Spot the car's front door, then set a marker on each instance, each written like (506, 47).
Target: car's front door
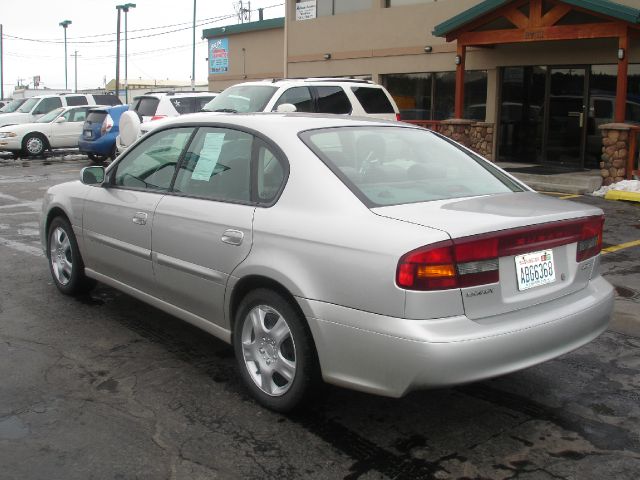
(117, 217)
(203, 229)
(65, 134)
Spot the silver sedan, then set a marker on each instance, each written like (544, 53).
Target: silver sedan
(373, 255)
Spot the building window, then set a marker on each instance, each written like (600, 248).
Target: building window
(431, 96)
(324, 8)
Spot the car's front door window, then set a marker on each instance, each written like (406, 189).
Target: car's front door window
(152, 163)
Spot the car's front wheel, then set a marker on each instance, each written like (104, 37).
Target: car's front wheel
(275, 351)
(65, 262)
(34, 145)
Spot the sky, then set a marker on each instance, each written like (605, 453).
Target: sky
(159, 39)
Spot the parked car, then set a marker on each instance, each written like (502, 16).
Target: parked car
(155, 106)
(376, 255)
(13, 105)
(99, 132)
(35, 107)
(60, 128)
(311, 95)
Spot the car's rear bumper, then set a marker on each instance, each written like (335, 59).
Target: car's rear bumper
(100, 146)
(392, 356)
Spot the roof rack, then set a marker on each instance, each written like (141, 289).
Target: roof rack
(337, 79)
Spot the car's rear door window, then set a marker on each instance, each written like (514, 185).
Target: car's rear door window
(300, 97)
(373, 100)
(152, 163)
(397, 165)
(76, 100)
(332, 100)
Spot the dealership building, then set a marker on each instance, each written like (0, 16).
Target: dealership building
(551, 82)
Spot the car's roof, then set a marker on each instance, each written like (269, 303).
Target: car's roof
(312, 81)
(270, 121)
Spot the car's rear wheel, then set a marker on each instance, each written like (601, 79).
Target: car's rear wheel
(65, 262)
(275, 351)
(34, 145)
(97, 158)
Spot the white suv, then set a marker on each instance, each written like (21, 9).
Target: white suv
(313, 95)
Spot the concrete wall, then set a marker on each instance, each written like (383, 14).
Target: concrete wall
(252, 56)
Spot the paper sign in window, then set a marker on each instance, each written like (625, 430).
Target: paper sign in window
(208, 157)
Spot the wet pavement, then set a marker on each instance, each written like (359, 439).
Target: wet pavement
(106, 387)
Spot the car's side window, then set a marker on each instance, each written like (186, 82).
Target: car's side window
(151, 164)
(78, 115)
(217, 166)
(76, 100)
(47, 104)
(333, 100)
(67, 115)
(298, 96)
(270, 173)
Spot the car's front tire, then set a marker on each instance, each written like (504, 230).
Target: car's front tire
(275, 351)
(65, 261)
(34, 145)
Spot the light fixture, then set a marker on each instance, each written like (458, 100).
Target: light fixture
(621, 54)
(327, 56)
(458, 60)
(428, 49)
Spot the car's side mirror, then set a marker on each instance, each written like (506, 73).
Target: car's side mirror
(92, 175)
(60, 120)
(286, 108)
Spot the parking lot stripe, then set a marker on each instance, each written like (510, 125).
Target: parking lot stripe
(622, 246)
(22, 247)
(565, 197)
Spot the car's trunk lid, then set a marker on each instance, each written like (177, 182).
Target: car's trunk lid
(523, 212)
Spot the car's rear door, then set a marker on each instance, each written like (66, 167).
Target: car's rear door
(117, 217)
(203, 229)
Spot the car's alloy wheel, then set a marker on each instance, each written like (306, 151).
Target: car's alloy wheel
(275, 350)
(65, 262)
(34, 145)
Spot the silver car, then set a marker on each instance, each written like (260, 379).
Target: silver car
(374, 255)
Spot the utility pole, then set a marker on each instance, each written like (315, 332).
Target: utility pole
(75, 54)
(1, 66)
(64, 24)
(118, 7)
(193, 51)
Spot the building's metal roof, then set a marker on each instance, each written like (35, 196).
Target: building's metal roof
(244, 28)
(604, 7)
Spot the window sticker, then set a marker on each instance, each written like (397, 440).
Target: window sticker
(208, 157)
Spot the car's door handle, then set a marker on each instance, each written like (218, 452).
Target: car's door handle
(140, 218)
(232, 237)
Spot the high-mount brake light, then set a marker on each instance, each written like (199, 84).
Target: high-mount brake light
(473, 261)
(158, 117)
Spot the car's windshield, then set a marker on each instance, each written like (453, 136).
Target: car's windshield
(49, 117)
(12, 106)
(28, 105)
(397, 165)
(241, 99)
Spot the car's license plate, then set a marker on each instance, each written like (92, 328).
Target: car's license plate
(88, 134)
(535, 269)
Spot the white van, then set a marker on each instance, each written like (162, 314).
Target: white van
(35, 107)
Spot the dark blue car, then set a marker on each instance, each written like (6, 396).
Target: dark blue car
(98, 139)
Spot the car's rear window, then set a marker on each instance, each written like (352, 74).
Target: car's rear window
(147, 106)
(373, 100)
(396, 165)
(96, 117)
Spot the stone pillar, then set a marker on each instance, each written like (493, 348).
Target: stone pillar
(481, 139)
(457, 129)
(615, 151)
(478, 136)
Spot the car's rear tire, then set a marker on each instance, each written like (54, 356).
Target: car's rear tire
(34, 145)
(275, 351)
(97, 158)
(65, 261)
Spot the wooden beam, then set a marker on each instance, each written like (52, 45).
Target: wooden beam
(516, 17)
(459, 98)
(621, 87)
(558, 32)
(535, 13)
(555, 14)
(479, 22)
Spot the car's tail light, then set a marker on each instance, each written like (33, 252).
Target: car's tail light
(158, 117)
(398, 117)
(472, 261)
(107, 124)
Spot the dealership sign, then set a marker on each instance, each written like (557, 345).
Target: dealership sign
(218, 55)
(306, 10)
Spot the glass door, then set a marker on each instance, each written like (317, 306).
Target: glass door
(566, 117)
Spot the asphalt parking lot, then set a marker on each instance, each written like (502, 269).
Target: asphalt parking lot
(105, 387)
